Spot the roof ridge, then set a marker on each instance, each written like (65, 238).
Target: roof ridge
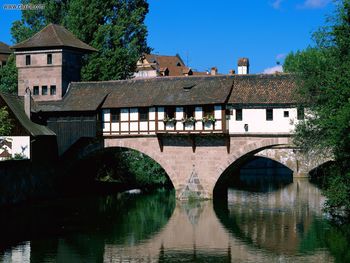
(26, 40)
(55, 32)
(154, 79)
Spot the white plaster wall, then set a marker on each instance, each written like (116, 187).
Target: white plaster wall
(152, 125)
(179, 113)
(161, 125)
(218, 125)
(134, 126)
(257, 123)
(145, 74)
(198, 113)
(115, 126)
(106, 115)
(217, 112)
(124, 115)
(134, 114)
(179, 116)
(160, 113)
(143, 126)
(242, 70)
(124, 126)
(199, 125)
(152, 114)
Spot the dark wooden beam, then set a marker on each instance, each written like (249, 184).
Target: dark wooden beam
(160, 141)
(193, 142)
(228, 143)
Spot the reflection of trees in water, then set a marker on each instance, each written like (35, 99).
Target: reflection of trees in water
(85, 225)
(277, 221)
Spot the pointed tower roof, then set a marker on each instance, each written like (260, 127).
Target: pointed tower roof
(53, 36)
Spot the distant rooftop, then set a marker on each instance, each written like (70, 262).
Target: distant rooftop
(53, 36)
(4, 48)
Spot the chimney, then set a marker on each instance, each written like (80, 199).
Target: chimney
(27, 102)
(232, 72)
(243, 66)
(214, 71)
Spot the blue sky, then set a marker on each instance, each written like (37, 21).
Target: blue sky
(216, 33)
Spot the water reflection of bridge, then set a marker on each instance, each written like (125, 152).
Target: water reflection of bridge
(249, 227)
(270, 228)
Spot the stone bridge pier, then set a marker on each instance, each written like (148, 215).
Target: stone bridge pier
(194, 164)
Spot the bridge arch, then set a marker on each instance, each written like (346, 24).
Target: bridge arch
(85, 148)
(144, 146)
(246, 151)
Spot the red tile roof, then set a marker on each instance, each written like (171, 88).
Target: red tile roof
(264, 89)
(175, 64)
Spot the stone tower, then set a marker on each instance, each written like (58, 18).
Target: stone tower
(48, 61)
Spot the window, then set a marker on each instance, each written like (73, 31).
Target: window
(43, 90)
(53, 90)
(115, 115)
(300, 114)
(28, 60)
(143, 113)
(36, 90)
(208, 110)
(189, 111)
(239, 114)
(49, 59)
(286, 114)
(269, 114)
(170, 112)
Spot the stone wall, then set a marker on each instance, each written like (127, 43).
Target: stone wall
(194, 165)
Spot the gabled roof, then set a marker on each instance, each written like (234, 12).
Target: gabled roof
(53, 36)
(174, 64)
(15, 104)
(88, 96)
(255, 90)
(4, 48)
(264, 89)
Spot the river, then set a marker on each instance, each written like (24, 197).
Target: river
(264, 219)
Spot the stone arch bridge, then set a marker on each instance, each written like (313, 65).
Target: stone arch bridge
(194, 164)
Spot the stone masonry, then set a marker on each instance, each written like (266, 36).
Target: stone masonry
(194, 172)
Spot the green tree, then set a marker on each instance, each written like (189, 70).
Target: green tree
(9, 76)
(115, 27)
(5, 122)
(146, 171)
(323, 76)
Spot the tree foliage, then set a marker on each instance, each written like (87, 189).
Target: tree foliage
(9, 76)
(115, 27)
(147, 172)
(5, 122)
(323, 73)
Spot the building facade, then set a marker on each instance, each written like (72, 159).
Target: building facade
(48, 62)
(176, 103)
